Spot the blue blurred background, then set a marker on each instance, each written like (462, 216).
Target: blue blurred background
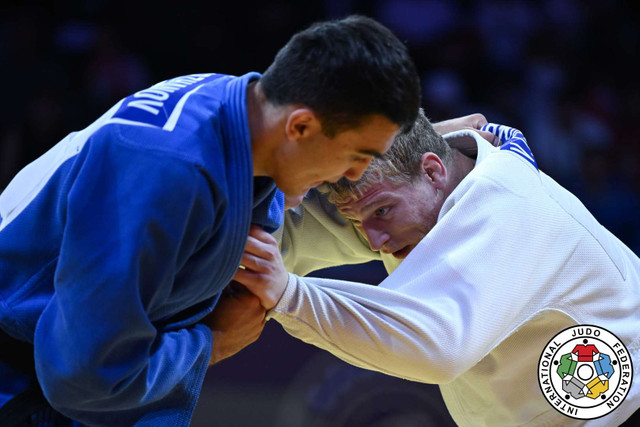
(565, 72)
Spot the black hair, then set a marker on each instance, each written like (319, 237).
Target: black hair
(346, 70)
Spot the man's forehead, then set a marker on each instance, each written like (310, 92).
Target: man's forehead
(377, 134)
(370, 195)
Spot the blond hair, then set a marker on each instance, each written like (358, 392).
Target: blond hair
(400, 165)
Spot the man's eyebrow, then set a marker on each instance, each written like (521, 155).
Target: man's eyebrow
(371, 153)
(376, 200)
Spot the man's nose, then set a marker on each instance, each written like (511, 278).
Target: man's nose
(356, 170)
(376, 238)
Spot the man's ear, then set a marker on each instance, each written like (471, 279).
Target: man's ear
(302, 123)
(433, 170)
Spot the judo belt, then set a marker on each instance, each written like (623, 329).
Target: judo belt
(28, 408)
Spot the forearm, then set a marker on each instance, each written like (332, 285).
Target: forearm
(126, 381)
(370, 327)
(475, 121)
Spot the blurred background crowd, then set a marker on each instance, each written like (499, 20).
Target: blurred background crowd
(563, 71)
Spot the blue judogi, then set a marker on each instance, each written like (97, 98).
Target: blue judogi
(118, 241)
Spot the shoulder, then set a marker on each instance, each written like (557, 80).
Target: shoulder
(500, 190)
(500, 178)
(110, 163)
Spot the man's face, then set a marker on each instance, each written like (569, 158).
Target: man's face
(318, 158)
(395, 218)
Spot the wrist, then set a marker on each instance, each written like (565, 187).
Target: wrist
(285, 295)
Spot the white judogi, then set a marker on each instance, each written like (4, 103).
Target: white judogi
(513, 259)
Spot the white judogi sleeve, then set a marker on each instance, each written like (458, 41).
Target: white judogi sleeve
(316, 236)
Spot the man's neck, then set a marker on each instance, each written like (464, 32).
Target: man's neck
(259, 129)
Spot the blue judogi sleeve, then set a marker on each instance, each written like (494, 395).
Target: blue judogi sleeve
(133, 219)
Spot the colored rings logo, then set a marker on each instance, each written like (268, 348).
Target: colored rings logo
(585, 372)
